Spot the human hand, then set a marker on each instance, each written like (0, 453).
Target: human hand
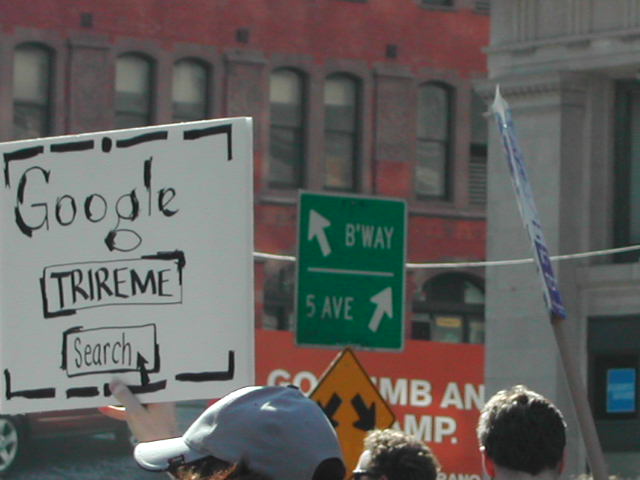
(155, 421)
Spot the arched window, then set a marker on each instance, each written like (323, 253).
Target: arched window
(278, 300)
(133, 91)
(450, 308)
(433, 141)
(478, 152)
(286, 134)
(341, 132)
(189, 90)
(32, 66)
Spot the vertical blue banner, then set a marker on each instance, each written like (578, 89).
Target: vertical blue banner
(527, 207)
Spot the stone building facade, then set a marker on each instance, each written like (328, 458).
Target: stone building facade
(569, 70)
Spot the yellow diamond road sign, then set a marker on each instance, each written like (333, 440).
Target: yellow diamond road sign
(352, 403)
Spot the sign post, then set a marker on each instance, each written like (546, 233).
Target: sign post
(352, 403)
(350, 279)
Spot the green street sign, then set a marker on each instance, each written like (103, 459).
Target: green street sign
(350, 278)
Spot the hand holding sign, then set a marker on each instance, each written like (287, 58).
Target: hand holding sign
(155, 421)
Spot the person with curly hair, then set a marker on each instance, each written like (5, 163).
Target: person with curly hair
(394, 455)
(522, 435)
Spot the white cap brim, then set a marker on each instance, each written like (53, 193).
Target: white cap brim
(158, 456)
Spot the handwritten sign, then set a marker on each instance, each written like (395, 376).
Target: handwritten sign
(126, 253)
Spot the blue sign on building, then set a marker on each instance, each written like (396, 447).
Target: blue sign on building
(621, 390)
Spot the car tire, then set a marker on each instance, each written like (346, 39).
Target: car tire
(12, 443)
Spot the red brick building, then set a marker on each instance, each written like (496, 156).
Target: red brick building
(363, 96)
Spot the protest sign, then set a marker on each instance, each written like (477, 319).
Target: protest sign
(527, 207)
(126, 253)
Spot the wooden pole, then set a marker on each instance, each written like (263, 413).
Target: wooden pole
(580, 402)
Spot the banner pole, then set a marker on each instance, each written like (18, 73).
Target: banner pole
(581, 405)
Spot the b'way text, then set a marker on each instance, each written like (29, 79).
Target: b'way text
(368, 236)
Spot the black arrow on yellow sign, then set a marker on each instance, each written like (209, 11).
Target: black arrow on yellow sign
(364, 408)
(366, 415)
(331, 408)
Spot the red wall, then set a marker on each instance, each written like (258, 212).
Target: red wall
(435, 43)
(443, 39)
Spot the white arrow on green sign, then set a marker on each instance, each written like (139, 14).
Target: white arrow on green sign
(317, 224)
(350, 279)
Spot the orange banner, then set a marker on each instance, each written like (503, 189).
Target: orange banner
(435, 389)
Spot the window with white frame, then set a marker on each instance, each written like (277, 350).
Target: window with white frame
(133, 91)
(189, 90)
(341, 132)
(287, 129)
(478, 152)
(32, 66)
(433, 141)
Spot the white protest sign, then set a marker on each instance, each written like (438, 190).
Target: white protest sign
(527, 206)
(127, 254)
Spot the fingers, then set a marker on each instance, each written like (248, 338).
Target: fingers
(165, 419)
(128, 400)
(156, 421)
(112, 411)
(136, 415)
(122, 393)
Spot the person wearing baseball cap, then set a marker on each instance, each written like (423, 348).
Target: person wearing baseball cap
(258, 433)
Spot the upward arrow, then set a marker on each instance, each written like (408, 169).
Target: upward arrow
(384, 304)
(141, 364)
(317, 224)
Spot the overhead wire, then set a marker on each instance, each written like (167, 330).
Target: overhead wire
(476, 264)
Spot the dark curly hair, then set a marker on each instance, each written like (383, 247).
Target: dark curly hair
(400, 456)
(521, 430)
(211, 468)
